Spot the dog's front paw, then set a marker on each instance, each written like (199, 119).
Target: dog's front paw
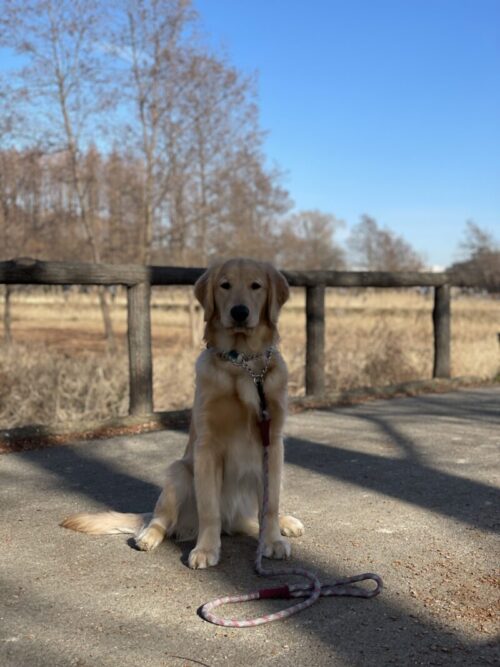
(291, 527)
(279, 549)
(149, 538)
(201, 558)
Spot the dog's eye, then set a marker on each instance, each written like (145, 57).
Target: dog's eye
(255, 285)
(225, 285)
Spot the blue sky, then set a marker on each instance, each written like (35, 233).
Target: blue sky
(385, 107)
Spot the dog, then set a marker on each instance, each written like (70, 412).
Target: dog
(217, 487)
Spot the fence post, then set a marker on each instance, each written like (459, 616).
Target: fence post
(139, 349)
(441, 317)
(7, 315)
(315, 340)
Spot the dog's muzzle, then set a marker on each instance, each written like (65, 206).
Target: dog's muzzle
(240, 314)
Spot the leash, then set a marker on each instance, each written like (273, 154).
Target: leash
(314, 589)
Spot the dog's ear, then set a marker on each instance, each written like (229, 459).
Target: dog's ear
(278, 293)
(204, 292)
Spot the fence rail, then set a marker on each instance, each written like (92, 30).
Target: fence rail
(140, 279)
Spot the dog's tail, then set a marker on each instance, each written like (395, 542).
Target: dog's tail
(106, 523)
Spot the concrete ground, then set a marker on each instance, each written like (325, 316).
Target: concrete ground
(406, 488)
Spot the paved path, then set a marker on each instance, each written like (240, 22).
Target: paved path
(406, 488)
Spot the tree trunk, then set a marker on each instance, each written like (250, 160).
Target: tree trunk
(85, 215)
(107, 321)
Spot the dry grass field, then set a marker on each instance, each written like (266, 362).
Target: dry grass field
(57, 368)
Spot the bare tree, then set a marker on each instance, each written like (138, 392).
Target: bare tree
(21, 225)
(186, 178)
(307, 241)
(123, 193)
(62, 80)
(379, 249)
(222, 142)
(194, 119)
(7, 211)
(151, 39)
(9, 176)
(481, 261)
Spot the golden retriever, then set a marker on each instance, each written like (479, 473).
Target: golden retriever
(217, 485)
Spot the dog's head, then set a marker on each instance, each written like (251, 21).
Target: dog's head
(240, 296)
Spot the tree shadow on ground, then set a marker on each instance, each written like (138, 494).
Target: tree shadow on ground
(406, 479)
(363, 632)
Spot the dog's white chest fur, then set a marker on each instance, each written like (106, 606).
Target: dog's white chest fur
(246, 391)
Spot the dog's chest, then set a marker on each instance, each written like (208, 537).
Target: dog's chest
(229, 405)
(244, 454)
(246, 391)
(242, 458)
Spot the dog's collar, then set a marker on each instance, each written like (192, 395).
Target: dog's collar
(240, 358)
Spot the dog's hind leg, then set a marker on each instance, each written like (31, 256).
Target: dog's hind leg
(289, 526)
(246, 526)
(174, 510)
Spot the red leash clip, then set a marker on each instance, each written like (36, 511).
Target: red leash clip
(282, 592)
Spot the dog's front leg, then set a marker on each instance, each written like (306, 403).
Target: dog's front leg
(275, 546)
(208, 483)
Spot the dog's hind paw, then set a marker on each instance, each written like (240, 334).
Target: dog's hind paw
(150, 537)
(291, 527)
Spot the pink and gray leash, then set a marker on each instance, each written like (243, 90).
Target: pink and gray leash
(313, 590)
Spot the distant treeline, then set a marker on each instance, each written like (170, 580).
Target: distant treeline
(41, 216)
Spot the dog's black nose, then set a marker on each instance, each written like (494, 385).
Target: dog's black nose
(239, 313)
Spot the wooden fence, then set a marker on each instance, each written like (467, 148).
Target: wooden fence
(139, 279)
